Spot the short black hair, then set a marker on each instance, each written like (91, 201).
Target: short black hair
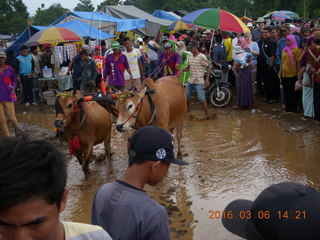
(103, 42)
(30, 169)
(33, 48)
(269, 29)
(83, 53)
(146, 38)
(126, 39)
(136, 161)
(23, 47)
(218, 38)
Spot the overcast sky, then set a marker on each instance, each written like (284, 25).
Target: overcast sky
(70, 4)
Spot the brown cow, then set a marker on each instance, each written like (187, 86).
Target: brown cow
(85, 124)
(170, 103)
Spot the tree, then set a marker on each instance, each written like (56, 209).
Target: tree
(84, 5)
(45, 17)
(108, 3)
(13, 16)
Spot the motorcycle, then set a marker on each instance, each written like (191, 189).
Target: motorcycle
(218, 92)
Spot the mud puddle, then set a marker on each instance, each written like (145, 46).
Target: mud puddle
(235, 155)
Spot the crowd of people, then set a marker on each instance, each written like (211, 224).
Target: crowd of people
(278, 62)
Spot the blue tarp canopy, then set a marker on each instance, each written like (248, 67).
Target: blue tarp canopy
(77, 26)
(84, 30)
(101, 19)
(165, 15)
(15, 46)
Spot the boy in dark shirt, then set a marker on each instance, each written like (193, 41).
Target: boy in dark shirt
(122, 207)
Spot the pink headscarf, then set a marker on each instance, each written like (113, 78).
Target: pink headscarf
(289, 48)
(173, 38)
(243, 44)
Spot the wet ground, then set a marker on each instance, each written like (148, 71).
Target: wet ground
(235, 155)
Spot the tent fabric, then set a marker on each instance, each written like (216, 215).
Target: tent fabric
(93, 18)
(84, 30)
(77, 26)
(181, 13)
(154, 24)
(166, 15)
(15, 46)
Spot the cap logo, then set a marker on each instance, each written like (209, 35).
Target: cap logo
(161, 153)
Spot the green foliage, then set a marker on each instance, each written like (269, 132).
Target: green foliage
(84, 5)
(106, 3)
(13, 16)
(253, 8)
(45, 17)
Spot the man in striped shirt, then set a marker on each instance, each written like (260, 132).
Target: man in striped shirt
(134, 59)
(197, 64)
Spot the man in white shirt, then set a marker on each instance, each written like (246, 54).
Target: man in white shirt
(134, 59)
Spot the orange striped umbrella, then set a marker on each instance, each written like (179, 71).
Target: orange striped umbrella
(54, 35)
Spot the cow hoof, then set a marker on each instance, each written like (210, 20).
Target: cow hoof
(101, 158)
(87, 174)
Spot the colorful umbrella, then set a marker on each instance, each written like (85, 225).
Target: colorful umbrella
(277, 16)
(245, 19)
(289, 13)
(54, 35)
(179, 25)
(216, 18)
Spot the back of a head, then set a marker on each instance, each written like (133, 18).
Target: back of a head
(30, 169)
(218, 38)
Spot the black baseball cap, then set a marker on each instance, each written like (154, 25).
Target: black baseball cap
(154, 144)
(282, 211)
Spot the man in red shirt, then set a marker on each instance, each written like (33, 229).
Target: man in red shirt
(98, 58)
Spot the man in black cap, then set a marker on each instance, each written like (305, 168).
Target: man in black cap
(123, 207)
(283, 211)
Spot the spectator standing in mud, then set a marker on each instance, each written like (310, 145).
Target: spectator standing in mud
(313, 60)
(152, 52)
(24, 70)
(289, 71)
(134, 59)
(197, 64)
(8, 84)
(75, 66)
(116, 64)
(36, 75)
(122, 207)
(30, 208)
(89, 73)
(97, 57)
(266, 67)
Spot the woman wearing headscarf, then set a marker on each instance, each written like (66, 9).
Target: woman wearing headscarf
(305, 79)
(243, 70)
(288, 72)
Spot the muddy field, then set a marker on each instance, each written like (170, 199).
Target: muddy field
(235, 155)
